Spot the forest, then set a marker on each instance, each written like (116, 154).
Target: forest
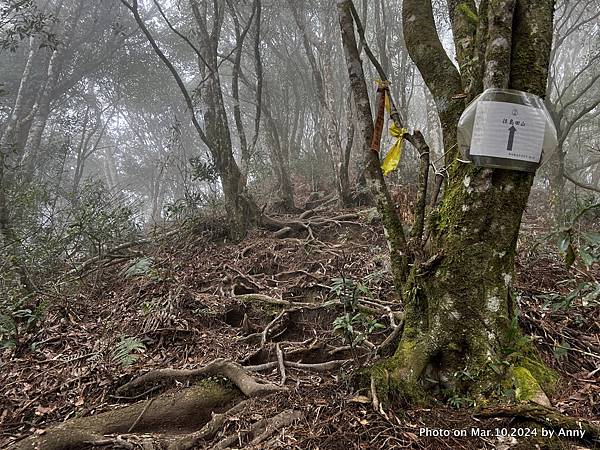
(299, 224)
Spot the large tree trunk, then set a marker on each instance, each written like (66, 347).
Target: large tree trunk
(460, 311)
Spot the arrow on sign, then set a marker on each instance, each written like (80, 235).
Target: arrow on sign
(511, 138)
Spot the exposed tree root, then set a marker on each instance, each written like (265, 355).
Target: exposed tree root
(388, 346)
(284, 228)
(261, 298)
(263, 429)
(548, 417)
(315, 203)
(365, 306)
(208, 431)
(247, 384)
(270, 329)
(317, 367)
(377, 406)
(177, 411)
(281, 363)
(172, 412)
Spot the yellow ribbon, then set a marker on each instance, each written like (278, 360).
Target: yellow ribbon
(392, 159)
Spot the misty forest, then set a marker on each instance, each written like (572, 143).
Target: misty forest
(299, 224)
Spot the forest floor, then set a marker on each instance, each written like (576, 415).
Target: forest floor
(191, 302)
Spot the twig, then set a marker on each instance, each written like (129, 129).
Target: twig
(265, 333)
(281, 364)
(141, 414)
(374, 398)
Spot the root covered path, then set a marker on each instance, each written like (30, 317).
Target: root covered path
(235, 347)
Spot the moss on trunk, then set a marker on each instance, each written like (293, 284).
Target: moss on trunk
(461, 332)
(172, 413)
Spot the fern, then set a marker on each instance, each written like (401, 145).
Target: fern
(123, 354)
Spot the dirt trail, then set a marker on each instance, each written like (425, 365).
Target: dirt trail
(201, 299)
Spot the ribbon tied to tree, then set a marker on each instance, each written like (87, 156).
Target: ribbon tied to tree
(393, 156)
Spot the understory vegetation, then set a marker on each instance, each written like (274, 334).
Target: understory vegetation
(326, 304)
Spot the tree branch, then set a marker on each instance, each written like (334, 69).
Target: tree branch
(580, 184)
(438, 72)
(188, 99)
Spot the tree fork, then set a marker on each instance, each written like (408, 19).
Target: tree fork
(460, 311)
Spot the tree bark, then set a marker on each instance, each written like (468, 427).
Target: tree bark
(459, 307)
(280, 158)
(375, 181)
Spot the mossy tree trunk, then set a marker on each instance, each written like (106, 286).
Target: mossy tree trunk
(460, 312)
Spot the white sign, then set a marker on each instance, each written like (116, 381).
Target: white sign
(508, 130)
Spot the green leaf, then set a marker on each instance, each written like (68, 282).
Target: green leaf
(564, 240)
(358, 339)
(8, 343)
(7, 324)
(123, 352)
(496, 369)
(593, 296)
(140, 267)
(560, 351)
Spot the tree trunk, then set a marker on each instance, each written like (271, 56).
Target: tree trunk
(344, 167)
(460, 317)
(375, 181)
(557, 187)
(280, 159)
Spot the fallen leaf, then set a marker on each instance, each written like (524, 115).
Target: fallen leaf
(41, 410)
(411, 436)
